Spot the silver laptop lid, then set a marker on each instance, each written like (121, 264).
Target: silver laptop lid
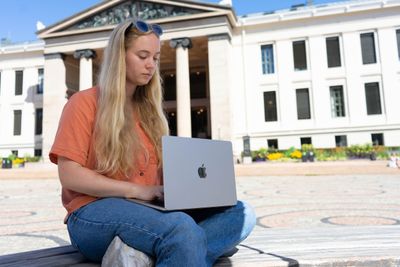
(197, 173)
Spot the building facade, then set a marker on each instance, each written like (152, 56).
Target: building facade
(21, 99)
(328, 75)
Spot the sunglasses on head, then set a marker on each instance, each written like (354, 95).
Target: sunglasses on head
(145, 27)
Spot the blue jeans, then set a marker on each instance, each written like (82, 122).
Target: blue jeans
(174, 238)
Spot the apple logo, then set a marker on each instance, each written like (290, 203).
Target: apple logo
(202, 171)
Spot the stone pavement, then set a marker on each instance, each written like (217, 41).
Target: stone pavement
(319, 197)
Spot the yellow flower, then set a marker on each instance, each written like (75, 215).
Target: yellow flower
(275, 156)
(295, 154)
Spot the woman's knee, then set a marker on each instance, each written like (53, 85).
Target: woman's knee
(186, 229)
(249, 215)
(184, 234)
(92, 242)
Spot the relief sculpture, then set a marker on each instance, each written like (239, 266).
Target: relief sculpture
(133, 9)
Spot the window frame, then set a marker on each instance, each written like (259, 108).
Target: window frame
(40, 85)
(273, 140)
(18, 92)
(274, 118)
(264, 65)
(304, 138)
(333, 104)
(338, 144)
(297, 104)
(38, 122)
(398, 42)
(375, 43)
(369, 111)
(339, 48)
(17, 125)
(306, 55)
(378, 134)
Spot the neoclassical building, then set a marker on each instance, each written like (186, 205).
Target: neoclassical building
(328, 74)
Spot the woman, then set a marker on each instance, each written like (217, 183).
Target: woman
(108, 149)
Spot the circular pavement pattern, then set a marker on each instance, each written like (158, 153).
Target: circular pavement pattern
(360, 220)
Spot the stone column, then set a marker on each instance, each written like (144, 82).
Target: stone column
(53, 98)
(183, 106)
(219, 61)
(85, 67)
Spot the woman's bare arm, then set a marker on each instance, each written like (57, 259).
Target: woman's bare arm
(83, 180)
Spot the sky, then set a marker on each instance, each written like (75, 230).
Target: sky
(19, 17)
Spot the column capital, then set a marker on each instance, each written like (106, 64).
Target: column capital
(184, 42)
(86, 53)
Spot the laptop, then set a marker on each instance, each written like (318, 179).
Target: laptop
(197, 173)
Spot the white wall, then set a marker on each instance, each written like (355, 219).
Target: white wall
(352, 75)
(29, 61)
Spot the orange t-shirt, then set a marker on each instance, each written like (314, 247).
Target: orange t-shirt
(74, 140)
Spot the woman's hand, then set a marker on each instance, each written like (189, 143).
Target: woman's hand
(148, 193)
(83, 180)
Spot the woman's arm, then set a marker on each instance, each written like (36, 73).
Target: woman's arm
(83, 180)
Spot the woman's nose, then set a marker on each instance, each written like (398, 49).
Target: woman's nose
(150, 64)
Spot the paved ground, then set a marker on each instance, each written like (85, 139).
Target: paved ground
(320, 195)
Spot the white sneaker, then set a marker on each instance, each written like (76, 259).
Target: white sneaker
(119, 254)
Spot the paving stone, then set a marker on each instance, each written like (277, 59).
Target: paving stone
(287, 197)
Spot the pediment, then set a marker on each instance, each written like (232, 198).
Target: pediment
(109, 13)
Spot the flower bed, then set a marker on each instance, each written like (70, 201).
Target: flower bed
(309, 153)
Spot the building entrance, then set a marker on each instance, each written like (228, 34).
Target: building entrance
(200, 115)
(200, 122)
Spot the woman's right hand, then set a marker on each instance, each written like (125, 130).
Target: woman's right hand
(83, 180)
(147, 192)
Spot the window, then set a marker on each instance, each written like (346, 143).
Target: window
(19, 75)
(377, 139)
(169, 87)
(368, 48)
(38, 121)
(39, 87)
(272, 144)
(299, 55)
(373, 98)
(398, 42)
(38, 153)
(17, 122)
(267, 56)
(333, 52)
(303, 104)
(198, 87)
(270, 106)
(337, 101)
(341, 140)
(305, 141)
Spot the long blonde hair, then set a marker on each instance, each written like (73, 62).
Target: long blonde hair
(117, 144)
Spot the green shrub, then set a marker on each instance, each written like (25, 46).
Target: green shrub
(288, 152)
(307, 148)
(12, 157)
(32, 159)
(359, 151)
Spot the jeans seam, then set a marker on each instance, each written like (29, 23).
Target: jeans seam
(113, 223)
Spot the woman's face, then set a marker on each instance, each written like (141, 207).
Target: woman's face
(142, 58)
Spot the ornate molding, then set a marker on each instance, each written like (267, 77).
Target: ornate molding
(221, 36)
(181, 42)
(133, 9)
(86, 53)
(54, 56)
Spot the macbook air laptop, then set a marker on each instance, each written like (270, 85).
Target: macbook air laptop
(197, 173)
